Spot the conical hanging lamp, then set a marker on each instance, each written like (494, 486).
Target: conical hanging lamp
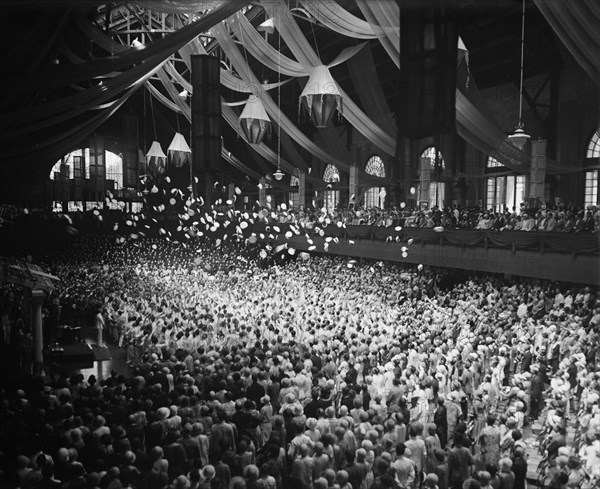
(519, 137)
(254, 121)
(156, 158)
(320, 97)
(267, 26)
(179, 151)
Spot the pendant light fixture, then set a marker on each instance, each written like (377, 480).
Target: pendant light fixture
(278, 174)
(519, 137)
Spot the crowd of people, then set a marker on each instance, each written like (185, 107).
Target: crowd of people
(544, 218)
(312, 372)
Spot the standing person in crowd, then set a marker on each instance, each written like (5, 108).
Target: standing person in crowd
(488, 443)
(460, 463)
(210, 338)
(99, 326)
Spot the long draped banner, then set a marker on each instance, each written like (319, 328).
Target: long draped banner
(577, 24)
(301, 48)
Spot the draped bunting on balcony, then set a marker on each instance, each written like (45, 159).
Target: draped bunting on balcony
(576, 25)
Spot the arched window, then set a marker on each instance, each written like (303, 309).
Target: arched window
(429, 154)
(114, 166)
(430, 169)
(331, 198)
(593, 150)
(504, 192)
(294, 181)
(374, 196)
(493, 163)
(591, 176)
(77, 169)
(331, 174)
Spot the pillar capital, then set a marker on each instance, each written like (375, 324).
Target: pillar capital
(37, 296)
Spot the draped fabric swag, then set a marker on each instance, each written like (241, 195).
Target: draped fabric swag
(123, 73)
(576, 25)
(241, 66)
(302, 50)
(473, 122)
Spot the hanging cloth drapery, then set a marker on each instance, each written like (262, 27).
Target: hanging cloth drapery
(238, 61)
(387, 15)
(330, 14)
(228, 114)
(179, 151)
(301, 48)
(577, 25)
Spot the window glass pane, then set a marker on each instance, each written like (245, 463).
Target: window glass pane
(295, 199)
(591, 188)
(331, 174)
(331, 199)
(430, 153)
(489, 194)
(593, 150)
(493, 162)
(510, 193)
(520, 191)
(375, 166)
(500, 193)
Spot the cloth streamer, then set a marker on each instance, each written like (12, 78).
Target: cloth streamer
(301, 48)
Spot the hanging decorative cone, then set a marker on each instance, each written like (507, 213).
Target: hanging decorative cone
(320, 97)
(254, 121)
(267, 26)
(179, 151)
(156, 158)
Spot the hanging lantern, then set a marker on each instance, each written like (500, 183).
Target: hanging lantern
(156, 159)
(254, 121)
(320, 97)
(519, 137)
(267, 26)
(179, 151)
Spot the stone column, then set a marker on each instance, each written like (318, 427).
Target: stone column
(353, 185)
(37, 299)
(302, 189)
(262, 192)
(537, 176)
(231, 192)
(424, 179)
